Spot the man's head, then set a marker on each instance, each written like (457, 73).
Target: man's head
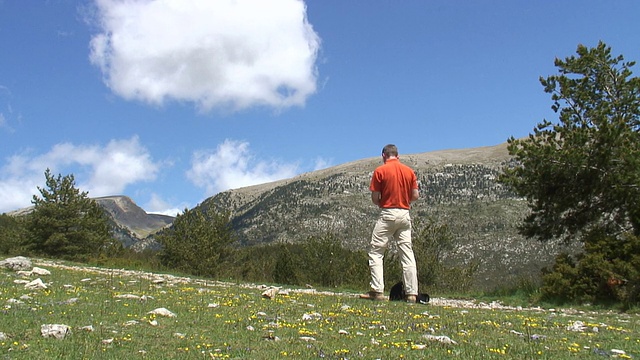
(389, 151)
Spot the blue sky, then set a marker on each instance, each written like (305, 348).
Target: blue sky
(172, 101)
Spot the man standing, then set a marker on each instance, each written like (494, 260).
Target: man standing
(394, 187)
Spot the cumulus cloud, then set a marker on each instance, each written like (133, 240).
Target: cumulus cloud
(225, 53)
(99, 170)
(231, 165)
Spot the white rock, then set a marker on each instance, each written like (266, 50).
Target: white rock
(127, 296)
(162, 312)
(577, 326)
(441, 338)
(57, 331)
(16, 263)
(107, 341)
(35, 284)
(270, 293)
(40, 271)
(307, 338)
(88, 328)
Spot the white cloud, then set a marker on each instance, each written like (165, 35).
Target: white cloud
(157, 205)
(99, 170)
(233, 166)
(225, 53)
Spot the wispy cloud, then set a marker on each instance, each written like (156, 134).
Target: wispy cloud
(100, 170)
(217, 54)
(232, 165)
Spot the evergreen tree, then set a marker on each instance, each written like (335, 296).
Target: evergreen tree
(582, 174)
(198, 242)
(581, 178)
(65, 223)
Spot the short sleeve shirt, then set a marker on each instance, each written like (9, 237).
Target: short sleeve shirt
(395, 182)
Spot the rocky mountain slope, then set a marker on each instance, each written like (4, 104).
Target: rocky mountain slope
(458, 188)
(132, 225)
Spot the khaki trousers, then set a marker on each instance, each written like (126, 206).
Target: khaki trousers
(393, 224)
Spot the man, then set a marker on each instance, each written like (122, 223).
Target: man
(394, 187)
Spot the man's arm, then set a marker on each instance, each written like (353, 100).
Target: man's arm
(375, 197)
(415, 195)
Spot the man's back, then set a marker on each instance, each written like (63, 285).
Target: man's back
(395, 183)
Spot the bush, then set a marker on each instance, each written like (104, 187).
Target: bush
(606, 272)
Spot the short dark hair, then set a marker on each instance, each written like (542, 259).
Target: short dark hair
(390, 150)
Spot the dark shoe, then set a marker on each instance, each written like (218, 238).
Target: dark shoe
(372, 295)
(410, 299)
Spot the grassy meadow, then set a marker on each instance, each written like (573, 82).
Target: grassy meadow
(110, 315)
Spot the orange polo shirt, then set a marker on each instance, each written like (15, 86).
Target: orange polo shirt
(395, 182)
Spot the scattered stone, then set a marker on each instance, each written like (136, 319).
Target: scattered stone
(179, 335)
(3, 336)
(16, 263)
(127, 296)
(69, 302)
(40, 271)
(162, 312)
(577, 326)
(57, 331)
(307, 338)
(441, 338)
(35, 284)
(343, 332)
(88, 328)
(270, 293)
(107, 341)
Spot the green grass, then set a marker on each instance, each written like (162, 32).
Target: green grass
(233, 321)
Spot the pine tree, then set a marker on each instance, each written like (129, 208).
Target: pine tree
(582, 174)
(65, 222)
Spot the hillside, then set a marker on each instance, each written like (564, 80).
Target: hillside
(131, 223)
(458, 188)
